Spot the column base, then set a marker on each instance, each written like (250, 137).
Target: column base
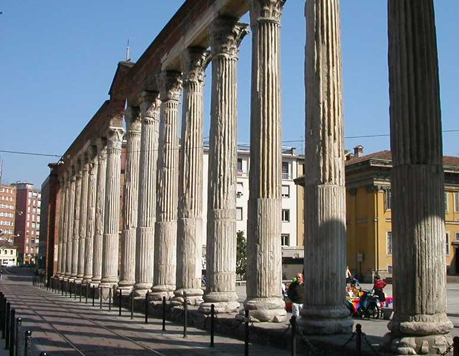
(141, 289)
(193, 296)
(126, 285)
(325, 321)
(224, 302)
(87, 279)
(79, 279)
(158, 292)
(265, 310)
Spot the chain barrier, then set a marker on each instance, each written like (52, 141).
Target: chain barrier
(364, 336)
(448, 350)
(348, 341)
(309, 345)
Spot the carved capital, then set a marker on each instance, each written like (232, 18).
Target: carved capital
(265, 11)
(115, 137)
(171, 85)
(94, 160)
(149, 107)
(225, 36)
(194, 63)
(132, 116)
(101, 148)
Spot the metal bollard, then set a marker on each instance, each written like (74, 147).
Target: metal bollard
(12, 330)
(132, 305)
(212, 324)
(185, 316)
(293, 324)
(358, 339)
(93, 294)
(246, 333)
(62, 287)
(109, 299)
(81, 289)
(28, 343)
(18, 336)
(119, 304)
(4, 317)
(86, 289)
(100, 297)
(7, 322)
(164, 313)
(2, 313)
(43, 353)
(456, 346)
(147, 296)
(74, 290)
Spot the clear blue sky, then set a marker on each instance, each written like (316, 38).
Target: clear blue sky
(58, 59)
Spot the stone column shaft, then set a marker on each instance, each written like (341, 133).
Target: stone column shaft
(166, 211)
(61, 226)
(225, 37)
(112, 208)
(131, 194)
(91, 216)
(324, 311)
(264, 290)
(76, 223)
(189, 226)
(150, 111)
(70, 212)
(100, 211)
(83, 218)
(420, 324)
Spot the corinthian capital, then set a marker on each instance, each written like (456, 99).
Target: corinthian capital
(132, 116)
(101, 144)
(171, 85)
(149, 106)
(194, 63)
(265, 11)
(115, 137)
(225, 36)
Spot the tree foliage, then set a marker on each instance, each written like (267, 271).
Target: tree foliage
(241, 255)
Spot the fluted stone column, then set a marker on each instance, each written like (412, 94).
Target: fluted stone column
(225, 35)
(100, 211)
(131, 193)
(145, 239)
(167, 186)
(76, 222)
(324, 311)
(189, 226)
(83, 217)
(70, 212)
(420, 324)
(60, 244)
(91, 215)
(264, 274)
(112, 208)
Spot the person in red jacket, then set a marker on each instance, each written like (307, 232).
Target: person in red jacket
(378, 288)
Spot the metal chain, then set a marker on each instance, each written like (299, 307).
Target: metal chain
(348, 341)
(369, 344)
(448, 350)
(309, 345)
(286, 330)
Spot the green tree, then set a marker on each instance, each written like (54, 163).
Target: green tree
(241, 255)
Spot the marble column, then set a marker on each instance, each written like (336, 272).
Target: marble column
(131, 194)
(100, 211)
(145, 238)
(110, 247)
(70, 212)
(91, 215)
(167, 186)
(83, 217)
(324, 311)
(225, 36)
(264, 274)
(420, 324)
(60, 243)
(189, 225)
(76, 222)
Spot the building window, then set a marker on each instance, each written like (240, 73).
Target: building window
(389, 242)
(447, 243)
(388, 199)
(456, 202)
(239, 214)
(446, 203)
(285, 191)
(285, 170)
(239, 165)
(239, 189)
(285, 239)
(457, 236)
(285, 215)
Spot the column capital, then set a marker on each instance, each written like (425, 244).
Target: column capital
(115, 137)
(194, 63)
(171, 85)
(149, 106)
(93, 163)
(132, 117)
(101, 144)
(225, 36)
(265, 11)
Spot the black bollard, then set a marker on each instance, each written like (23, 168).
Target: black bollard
(74, 290)
(18, 336)
(164, 313)
(12, 330)
(456, 346)
(3, 322)
(109, 299)
(119, 304)
(212, 324)
(86, 289)
(70, 290)
(147, 296)
(93, 294)
(43, 354)
(62, 287)
(358, 339)
(293, 324)
(7, 323)
(246, 333)
(81, 290)
(185, 316)
(100, 297)
(28, 343)
(132, 305)
(2, 313)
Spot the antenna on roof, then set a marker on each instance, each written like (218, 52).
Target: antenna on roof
(128, 52)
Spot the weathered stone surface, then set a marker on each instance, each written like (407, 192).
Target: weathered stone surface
(149, 111)
(83, 217)
(62, 216)
(70, 212)
(91, 214)
(225, 36)
(112, 208)
(167, 186)
(418, 210)
(264, 277)
(189, 234)
(130, 206)
(324, 311)
(76, 222)
(100, 211)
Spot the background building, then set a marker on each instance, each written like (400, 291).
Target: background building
(7, 213)
(27, 224)
(8, 254)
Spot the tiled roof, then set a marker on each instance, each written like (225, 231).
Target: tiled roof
(386, 155)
